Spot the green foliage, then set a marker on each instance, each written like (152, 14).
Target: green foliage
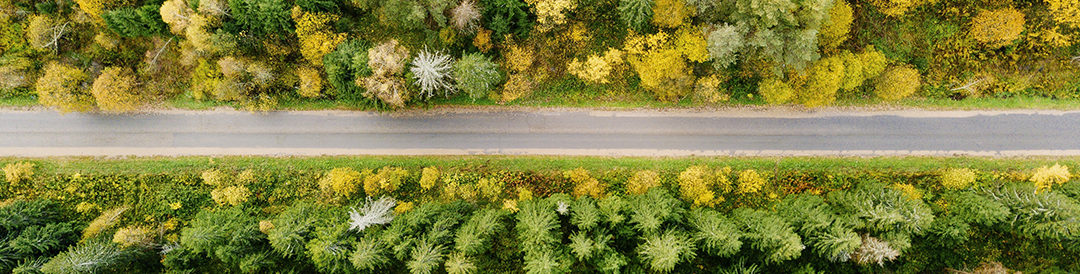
(475, 235)
(781, 31)
(665, 250)
(329, 250)
(135, 22)
(476, 75)
(714, 233)
(369, 255)
(649, 212)
(636, 14)
(232, 237)
(724, 44)
(94, 256)
(293, 228)
(769, 234)
(828, 235)
(260, 18)
(345, 64)
(507, 17)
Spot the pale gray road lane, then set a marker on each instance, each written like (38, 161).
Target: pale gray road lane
(545, 132)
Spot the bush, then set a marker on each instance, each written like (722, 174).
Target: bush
(387, 62)
(895, 8)
(775, 91)
(428, 178)
(957, 178)
(749, 181)
(18, 172)
(1046, 177)
(835, 31)
(699, 184)
(724, 45)
(104, 222)
(1065, 12)
(476, 75)
(997, 28)
(550, 13)
(596, 68)
(230, 195)
(61, 87)
(311, 82)
(824, 80)
(345, 64)
(385, 182)
(642, 182)
(315, 32)
(115, 90)
(584, 184)
(897, 83)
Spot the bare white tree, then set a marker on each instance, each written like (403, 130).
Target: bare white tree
(465, 17)
(432, 72)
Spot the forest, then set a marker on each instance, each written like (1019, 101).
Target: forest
(132, 55)
(528, 215)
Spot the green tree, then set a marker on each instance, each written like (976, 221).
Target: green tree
(784, 32)
(476, 75)
(135, 22)
(345, 64)
(636, 14)
(507, 17)
(260, 18)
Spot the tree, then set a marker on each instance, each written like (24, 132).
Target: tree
(260, 18)
(316, 34)
(345, 64)
(43, 33)
(550, 13)
(61, 87)
(1065, 12)
(897, 83)
(507, 17)
(387, 61)
(674, 12)
(465, 17)
(636, 14)
(177, 14)
(432, 72)
(835, 30)
(114, 90)
(783, 32)
(597, 68)
(311, 82)
(724, 44)
(997, 28)
(132, 22)
(825, 77)
(476, 75)
(775, 91)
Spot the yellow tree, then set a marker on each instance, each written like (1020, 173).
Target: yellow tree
(61, 87)
(316, 36)
(550, 13)
(177, 14)
(114, 90)
(1065, 12)
(997, 28)
(835, 31)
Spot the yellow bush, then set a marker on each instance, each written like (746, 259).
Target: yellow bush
(596, 68)
(403, 207)
(95, 7)
(103, 222)
(584, 184)
(246, 177)
(134, 236)
(708, 90)
(215, 177)
(490, 188)
(61, 87)
(690, 41)
(85, 207)
(340, 182)
(853, 71)
(873, 62)
(670, 13)
(697, 184)
(642, 181)
(897, 83)
(114, 90)
(1046, 177)
(18, 172)
(519, 58)
(230, 195)
(524, 194)
(386, 181)
(997, 28)
(824, 80)
(551, 12)
(428, 178)
(482, 41)
(315, 32)
(835, 31)
(957, 178)
(517, 86)
(660, 65)
(1065, 12)
(909, 191)
(311, 82)
(750, 181)
(775, 91)
(510, 205)
(265, 226)
(896, 8)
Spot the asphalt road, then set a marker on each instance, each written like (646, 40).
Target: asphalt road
(46, 133)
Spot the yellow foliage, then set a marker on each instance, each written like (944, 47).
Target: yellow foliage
(106, 40)
(835, 31)
(896, 8)
(909, 191)
(510, 205)
(177, 14)
(1065, 12)
(311, 82)
(873, 62)
(824, 80)
(386, 181)
(114, 90)
(403, 207)
(197, 33)
(230, 195)
(1050, 38)
(61, 87)
(265, 226)
(482, 41)
(551, 12)
(134, 236)
(519, 58)
(642, 181)
(95, 7)
(316, 34)
(215, 177)
(671, 13)
(584, 184)
(516, 86)
(103, 222)
(524, 194)
(596, 68)
(997, 28)
(750, 181)
(490, 188)
(428, 177)
(897, 83)
(340, 182)
(85, 207)
(660, 64)
(699, 184)
(1046, 177)
(853, 71)
(707, 89)
(957, 178)
(18, 172)
(690, 41)
(776, 91)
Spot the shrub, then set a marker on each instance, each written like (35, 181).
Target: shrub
(115, 91)
(697, 184)
(476, 75)
(215, 178)
(596, 68)
(311, 83)
(775, 91)
(387, 61)
(103, 222)
(428, 178)
(690, 41)
(835, 31)
(674, 13)
(61, 87)
(386, 181)
(665, 250)
(507, 17)
(18, 172)
(1065, 12)
(909, 191)
(997, 28)
(230, 195)
(873, 62)
(749, 181)
(642, 181)
(584, 184)
(636, 14)
(724, 44)
(1046, 177)
(824, 80)
(432, 72)
(348, 62)
(957, 178)
(316, 35)
(897, 83)
(853, 71)
(329, 250)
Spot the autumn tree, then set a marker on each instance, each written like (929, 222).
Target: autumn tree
(316, 34)
(114, 90)
(45, 33)
(1065, 12)
(177, 14)
(62, 87)
(783, 32)
(386, 84)
(476, 75)
(824, 79)
(835, 30)
(661, 62)
(896, 8)
(997, 28)
(673, 13)
(724, 44)
(311, 82)
(550, 13)
(465, 17)
(897, 83)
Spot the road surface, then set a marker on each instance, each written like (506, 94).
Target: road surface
(549, 132)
